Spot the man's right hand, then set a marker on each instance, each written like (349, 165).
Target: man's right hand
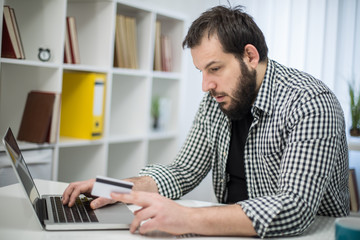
(84, 187)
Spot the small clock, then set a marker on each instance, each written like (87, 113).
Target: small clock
(44, 54)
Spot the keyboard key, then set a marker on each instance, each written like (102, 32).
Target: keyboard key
(90, 211)
(53, 208)
(82, 211)
(68, 214)
(76, 215)
(59, 208)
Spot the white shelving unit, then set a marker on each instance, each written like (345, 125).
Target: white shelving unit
(129, 143)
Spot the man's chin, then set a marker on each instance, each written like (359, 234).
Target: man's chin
(233, 114)
(224, 106)
(225, 109)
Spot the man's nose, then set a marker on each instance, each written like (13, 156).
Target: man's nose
(207, 83)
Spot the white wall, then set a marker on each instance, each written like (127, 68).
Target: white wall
(321, 37)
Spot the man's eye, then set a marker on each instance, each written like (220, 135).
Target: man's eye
(214, 69)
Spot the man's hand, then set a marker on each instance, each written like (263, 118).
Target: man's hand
(76, 188)
(160, 213)
(84, 187)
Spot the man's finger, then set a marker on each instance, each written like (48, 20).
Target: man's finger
(72, 198)
(67, 193)
(142, 199)
(148, 226)
(100, 202)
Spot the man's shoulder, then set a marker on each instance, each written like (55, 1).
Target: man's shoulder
(297, 81)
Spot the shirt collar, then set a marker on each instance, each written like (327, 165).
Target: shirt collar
(264, 98)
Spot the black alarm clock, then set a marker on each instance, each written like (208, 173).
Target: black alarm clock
(44, 54)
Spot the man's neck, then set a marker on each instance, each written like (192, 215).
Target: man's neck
(260, 73)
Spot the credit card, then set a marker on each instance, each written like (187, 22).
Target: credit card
(104, 186)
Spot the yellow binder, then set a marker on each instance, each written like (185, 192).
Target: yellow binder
(82, 107)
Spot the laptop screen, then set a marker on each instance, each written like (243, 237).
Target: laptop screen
(20, 167)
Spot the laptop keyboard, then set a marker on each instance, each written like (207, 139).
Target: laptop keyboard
(80, 212)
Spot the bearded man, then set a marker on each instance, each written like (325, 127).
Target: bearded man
(274, 138)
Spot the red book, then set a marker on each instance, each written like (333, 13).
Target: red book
(10, 47)
(37, 117)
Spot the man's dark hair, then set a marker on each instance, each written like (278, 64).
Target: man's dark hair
(233, 27)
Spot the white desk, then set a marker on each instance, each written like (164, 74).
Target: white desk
(18, 221)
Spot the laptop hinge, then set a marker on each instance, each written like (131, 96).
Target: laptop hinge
(41, 209)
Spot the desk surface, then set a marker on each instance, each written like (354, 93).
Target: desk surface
(18, 221)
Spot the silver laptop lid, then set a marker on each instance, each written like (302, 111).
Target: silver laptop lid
(20, 167)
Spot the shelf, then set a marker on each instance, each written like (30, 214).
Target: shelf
(129, 105)
(26, 62)
(128, 143)
(168, 92)
(30, 146)
(173, 28)
(94, 24)
(114, 139)
(131, 72)
(36, 19)
(16, 82)
(75, 142)
(84, 68)
(81, 163)
(167, 75)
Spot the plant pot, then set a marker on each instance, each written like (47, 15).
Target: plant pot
(355, 132)
(155, 123)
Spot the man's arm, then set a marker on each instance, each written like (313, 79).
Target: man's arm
(143, 183)
(227, 220)
(165, 215)
(194, 160)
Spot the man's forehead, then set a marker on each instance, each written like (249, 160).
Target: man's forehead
(206, 53)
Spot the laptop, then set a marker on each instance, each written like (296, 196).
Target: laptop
(49, 210)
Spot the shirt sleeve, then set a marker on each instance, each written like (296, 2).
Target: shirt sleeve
(315, 144)
(190, 166)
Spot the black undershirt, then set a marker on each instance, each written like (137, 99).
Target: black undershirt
(236, 186)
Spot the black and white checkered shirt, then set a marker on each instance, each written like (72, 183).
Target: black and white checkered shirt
(296, 156)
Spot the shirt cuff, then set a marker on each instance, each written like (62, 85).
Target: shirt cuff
(167, 184)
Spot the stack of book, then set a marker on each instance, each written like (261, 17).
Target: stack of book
(162, 53)
(125, 55)
(41, 116)
(11, 41)
(72, 52)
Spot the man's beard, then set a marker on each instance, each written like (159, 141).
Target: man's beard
(244, 94)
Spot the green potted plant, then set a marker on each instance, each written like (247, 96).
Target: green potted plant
(355, 111)
(155, 111)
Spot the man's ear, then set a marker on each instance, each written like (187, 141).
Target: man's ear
(251, 56)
